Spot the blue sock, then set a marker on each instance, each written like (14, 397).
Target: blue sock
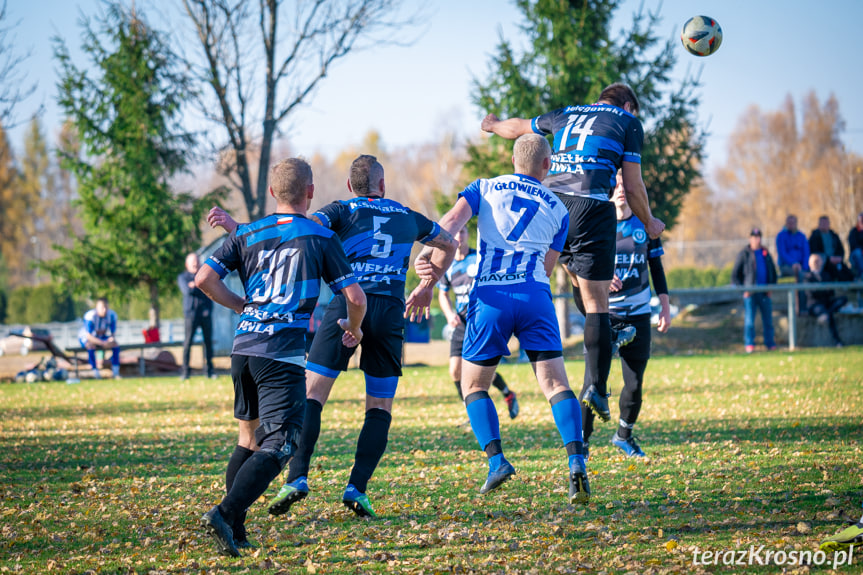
(115, 357)
(483, 418)
(91, 358)
(575, 457)
(567, 416)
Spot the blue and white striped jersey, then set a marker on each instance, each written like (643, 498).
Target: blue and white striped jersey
(634, 250)
(590, 144)
(378, 235)
(101, 327)
(281, 260)
(519, 220)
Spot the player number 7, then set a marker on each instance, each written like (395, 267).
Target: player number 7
(530, 208)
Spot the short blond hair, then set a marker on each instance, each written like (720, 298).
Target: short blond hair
(529, 152)
(290, 179)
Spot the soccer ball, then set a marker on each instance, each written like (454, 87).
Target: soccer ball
(701, 35)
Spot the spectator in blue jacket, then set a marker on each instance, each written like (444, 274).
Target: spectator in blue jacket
(792, 249)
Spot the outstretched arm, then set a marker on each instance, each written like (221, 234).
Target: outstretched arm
(636, 197)
(509, 129)
(440, 252)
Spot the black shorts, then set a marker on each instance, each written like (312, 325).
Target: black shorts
(639, 348)
(269, 390)
(456, 342)
(383, 339)
(591, 242)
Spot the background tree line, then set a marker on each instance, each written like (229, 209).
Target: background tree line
(111, 202)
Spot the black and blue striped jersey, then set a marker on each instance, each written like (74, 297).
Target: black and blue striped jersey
(281, 260)
(590, 144)
(634, 251)
(378, 235)
(459, 278)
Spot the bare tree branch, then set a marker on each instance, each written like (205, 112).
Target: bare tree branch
(260, 71)
(13, 88)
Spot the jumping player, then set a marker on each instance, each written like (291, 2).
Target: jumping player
(629, 306)
(459, 280)
(590, 144)
(281, 260)
(522, 227)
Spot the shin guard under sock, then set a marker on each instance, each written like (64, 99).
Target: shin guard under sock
(370, 447)
(483, 418)
(597, 344)
(299, 465)
(250, 482)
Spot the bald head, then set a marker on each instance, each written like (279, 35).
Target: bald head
(531, 155)
(192, 263)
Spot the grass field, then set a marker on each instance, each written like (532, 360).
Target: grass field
(111, 477)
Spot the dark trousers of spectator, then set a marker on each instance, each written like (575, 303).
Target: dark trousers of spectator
(820, 310)
(193, 322)
(758, 301)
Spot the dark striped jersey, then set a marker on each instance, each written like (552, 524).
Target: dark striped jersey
(590, 144)
(378, 235)
(634, 251)
(281, 260)
(459, 279)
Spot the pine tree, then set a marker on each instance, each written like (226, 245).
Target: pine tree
(126, 110)
(570, 58)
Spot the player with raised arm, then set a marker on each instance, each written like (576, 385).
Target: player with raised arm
(281, 260)
(459, 279)
(378, 235)
(522, 227)
(590, 143)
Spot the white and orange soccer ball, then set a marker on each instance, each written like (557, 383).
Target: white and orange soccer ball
(701, 35)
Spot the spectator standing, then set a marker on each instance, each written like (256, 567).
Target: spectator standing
(99, 332)
(198, 312)
(855, 247)
(754, 267)
(792, 250)
(826, 242)
(823, 304)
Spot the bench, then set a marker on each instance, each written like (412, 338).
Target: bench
(127, 347)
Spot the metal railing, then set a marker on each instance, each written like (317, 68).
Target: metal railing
(789, 288)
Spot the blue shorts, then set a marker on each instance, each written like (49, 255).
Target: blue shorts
(496, 314)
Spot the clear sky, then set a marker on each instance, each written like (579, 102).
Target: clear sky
(414, 94)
